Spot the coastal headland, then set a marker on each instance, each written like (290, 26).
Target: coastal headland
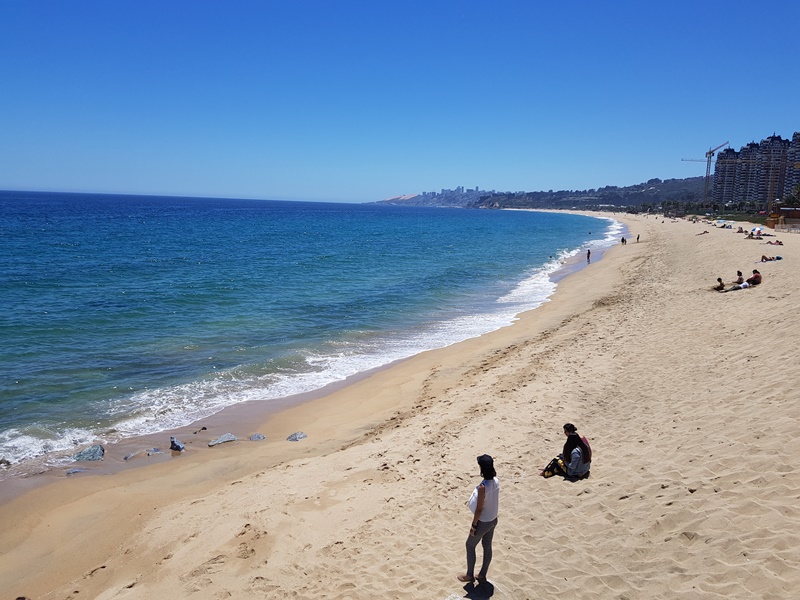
(688, 396)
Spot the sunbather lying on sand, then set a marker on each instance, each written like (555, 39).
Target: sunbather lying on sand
(737, 286)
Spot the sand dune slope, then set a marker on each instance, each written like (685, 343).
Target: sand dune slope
(690, 400)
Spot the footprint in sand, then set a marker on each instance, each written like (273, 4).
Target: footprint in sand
(245, 551)
(211, 566)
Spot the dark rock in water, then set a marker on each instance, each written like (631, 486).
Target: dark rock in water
(176, 445)
(297, 436)
(153, 451)
(73, 471)
(201, 429)
(225, 437)
(95, 452)
(257, 437)
(4, 463)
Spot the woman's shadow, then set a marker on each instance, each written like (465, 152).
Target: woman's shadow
(482, 590)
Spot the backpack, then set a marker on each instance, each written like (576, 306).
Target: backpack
(587, 456)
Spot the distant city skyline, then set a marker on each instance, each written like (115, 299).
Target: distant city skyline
(360, 101)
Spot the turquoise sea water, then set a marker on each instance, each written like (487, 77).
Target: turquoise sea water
(127, 315)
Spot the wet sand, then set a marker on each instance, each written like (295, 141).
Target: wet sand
(687, 395)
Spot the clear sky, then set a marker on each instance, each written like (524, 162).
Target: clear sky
(358, 101)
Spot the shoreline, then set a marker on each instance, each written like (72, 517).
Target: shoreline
(234, 418)
(692, 489)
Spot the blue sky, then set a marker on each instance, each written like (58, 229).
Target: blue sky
(364, 100)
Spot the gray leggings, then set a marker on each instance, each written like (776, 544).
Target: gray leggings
(483, 534)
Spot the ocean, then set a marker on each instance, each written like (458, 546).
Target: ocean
(131, 315)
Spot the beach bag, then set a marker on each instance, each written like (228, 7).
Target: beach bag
(555, 467)
(473, 500)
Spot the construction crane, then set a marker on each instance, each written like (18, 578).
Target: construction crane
(709, 159)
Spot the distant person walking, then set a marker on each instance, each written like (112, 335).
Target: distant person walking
(588, 256)
(637, 238)
(623, 241)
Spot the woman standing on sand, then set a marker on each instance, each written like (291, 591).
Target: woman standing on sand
(484, 503)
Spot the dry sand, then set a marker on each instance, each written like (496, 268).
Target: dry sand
(688, 396)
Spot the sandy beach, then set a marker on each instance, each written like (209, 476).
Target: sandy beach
(688, 396)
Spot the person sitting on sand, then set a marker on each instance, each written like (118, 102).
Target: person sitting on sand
(720, 285)
(576, 451)
(751, 281)
(739, 279)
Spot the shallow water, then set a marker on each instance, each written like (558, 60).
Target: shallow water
(129, 315)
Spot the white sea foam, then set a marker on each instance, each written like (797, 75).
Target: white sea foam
(156, 410)
(58, 446)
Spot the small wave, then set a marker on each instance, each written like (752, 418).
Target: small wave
(21, 445)
(612, 234)
(306, 370)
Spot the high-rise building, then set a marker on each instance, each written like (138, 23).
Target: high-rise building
(725, 175)
(757, 173)
(772, 177)
(746, 187)
(792, 166)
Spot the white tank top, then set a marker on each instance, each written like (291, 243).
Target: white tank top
(491, 499)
